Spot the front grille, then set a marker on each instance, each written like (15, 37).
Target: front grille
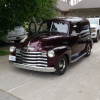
(32, 58)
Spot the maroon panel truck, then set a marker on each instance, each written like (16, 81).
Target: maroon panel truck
(57, 43)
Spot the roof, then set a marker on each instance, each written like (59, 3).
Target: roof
(86, 4)
(71, 19)
(63, 6)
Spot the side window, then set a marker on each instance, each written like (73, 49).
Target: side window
(74, 29)
(59, 27)
(86, 27)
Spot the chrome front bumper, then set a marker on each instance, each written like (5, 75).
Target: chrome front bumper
(34, 68)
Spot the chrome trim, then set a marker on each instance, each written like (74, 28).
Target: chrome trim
(78, 58)
(34, 68)
(28, 55)
(34, 61)
(19, 58)
(33, 55)
(38, 65)
(32, 52)
(33, 58)
(41, 58)
(42, 55)
(41, 65)
(18, 55)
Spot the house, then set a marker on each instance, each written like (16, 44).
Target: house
(85, 8)
(61, 8)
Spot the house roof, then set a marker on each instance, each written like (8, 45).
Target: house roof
(86, 4)
(63, 6)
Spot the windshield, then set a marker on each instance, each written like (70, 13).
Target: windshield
(54, 27)
(93, 21)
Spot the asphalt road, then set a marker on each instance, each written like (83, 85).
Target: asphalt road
(81, 80)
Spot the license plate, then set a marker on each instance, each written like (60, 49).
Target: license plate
(12, 58)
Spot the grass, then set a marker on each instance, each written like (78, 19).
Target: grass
(2, 53)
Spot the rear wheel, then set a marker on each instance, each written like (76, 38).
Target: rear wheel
(62, 66)
(88, 50)
(17, 41)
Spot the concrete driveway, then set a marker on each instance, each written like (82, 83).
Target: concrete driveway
(80, 82)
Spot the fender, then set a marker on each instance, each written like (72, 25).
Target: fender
(90, 41)
(63, 50)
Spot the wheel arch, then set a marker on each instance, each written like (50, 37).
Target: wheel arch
(97, 31)
(63, 50)
(67, 56)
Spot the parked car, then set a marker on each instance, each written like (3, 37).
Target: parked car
(95, 28)
(59, 42)
(15, 35)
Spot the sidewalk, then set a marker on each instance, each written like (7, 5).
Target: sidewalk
(6, 96)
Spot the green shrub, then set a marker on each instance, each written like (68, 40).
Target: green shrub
(2, 53)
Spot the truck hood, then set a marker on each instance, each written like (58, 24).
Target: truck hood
(42, 42)
(93, 25)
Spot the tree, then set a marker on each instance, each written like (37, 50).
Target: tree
(14, 12)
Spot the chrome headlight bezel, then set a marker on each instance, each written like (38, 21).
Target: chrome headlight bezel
(51, 53)
(12, 48)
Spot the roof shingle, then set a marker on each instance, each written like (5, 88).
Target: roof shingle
(63, 6)
(87, 4)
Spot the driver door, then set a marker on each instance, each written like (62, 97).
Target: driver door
(74, 39)
(32, 29)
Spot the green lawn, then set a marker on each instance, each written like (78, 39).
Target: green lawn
(2, 53)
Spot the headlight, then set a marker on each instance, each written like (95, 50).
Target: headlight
(12, 49)
(51, 53)
(94, 30)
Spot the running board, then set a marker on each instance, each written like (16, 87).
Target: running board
(78, 58)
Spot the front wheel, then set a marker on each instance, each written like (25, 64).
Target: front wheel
(62, 66)
(88, 50)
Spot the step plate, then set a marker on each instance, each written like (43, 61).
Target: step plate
(77, 56)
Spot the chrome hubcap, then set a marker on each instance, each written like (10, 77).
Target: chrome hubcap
(62, 64)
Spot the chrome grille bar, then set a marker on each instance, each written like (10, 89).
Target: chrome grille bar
(32, 58)
(34, 61)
